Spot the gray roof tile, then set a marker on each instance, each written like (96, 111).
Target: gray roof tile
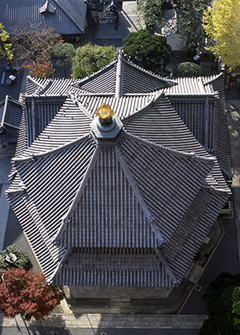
(68, 16)
(153, 190)
(10, 119)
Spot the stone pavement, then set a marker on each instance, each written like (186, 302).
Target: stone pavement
(114, 321)
(128, 22)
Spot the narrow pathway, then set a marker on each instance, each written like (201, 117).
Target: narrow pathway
(105, 321)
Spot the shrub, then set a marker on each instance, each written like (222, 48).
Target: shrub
(188, 69)
(91, 58)
(222, 299)
(11, 257)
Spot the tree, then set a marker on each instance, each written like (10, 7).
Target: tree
(222, 299)
(91, 58)
(27, 294)
(222, 25)
(189, 22)
(148, 51)
(11, 257)
(188, 69)
(5, 45)
(66, 52)
(151, 12)
(33, 47)
(189, 19)
(41, 68)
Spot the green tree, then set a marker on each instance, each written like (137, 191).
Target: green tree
(66, 52)
(189, 22)
(5, 45)
(222, 26)
(188, 69)
(151, 12)
(148, 51)
(91, 58)
(222, 299)
(12, 257)
(189, 19)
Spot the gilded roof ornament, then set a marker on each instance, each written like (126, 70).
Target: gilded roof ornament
(105, 113)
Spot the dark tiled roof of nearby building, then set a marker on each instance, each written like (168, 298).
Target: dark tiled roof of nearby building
(64, 16)
(10, 119)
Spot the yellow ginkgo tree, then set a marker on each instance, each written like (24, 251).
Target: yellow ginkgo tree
(5, 45)
(222, 25)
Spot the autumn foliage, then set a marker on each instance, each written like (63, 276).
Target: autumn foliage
(27, 294)
(33, 48)
(222, 25)
(41, 67)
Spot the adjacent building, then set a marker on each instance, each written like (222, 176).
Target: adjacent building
(66, 17)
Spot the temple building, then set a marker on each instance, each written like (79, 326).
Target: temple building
(119, 178)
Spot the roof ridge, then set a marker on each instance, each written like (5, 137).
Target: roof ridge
(170, 82)
(212, 78)
(166, 265)
(42, 154)
(4, 110)
(80, 105)
(214, 189)
(153, 99)
(66, 218)
(58, 2)
(13, 100)
(36, 81)
(86, 79)
(150, 218)
(189, 155)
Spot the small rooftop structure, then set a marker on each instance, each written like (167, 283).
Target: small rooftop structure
(47, 8)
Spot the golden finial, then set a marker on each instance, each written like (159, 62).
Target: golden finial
(105, 113)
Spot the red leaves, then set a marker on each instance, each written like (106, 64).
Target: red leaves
(28, 294)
